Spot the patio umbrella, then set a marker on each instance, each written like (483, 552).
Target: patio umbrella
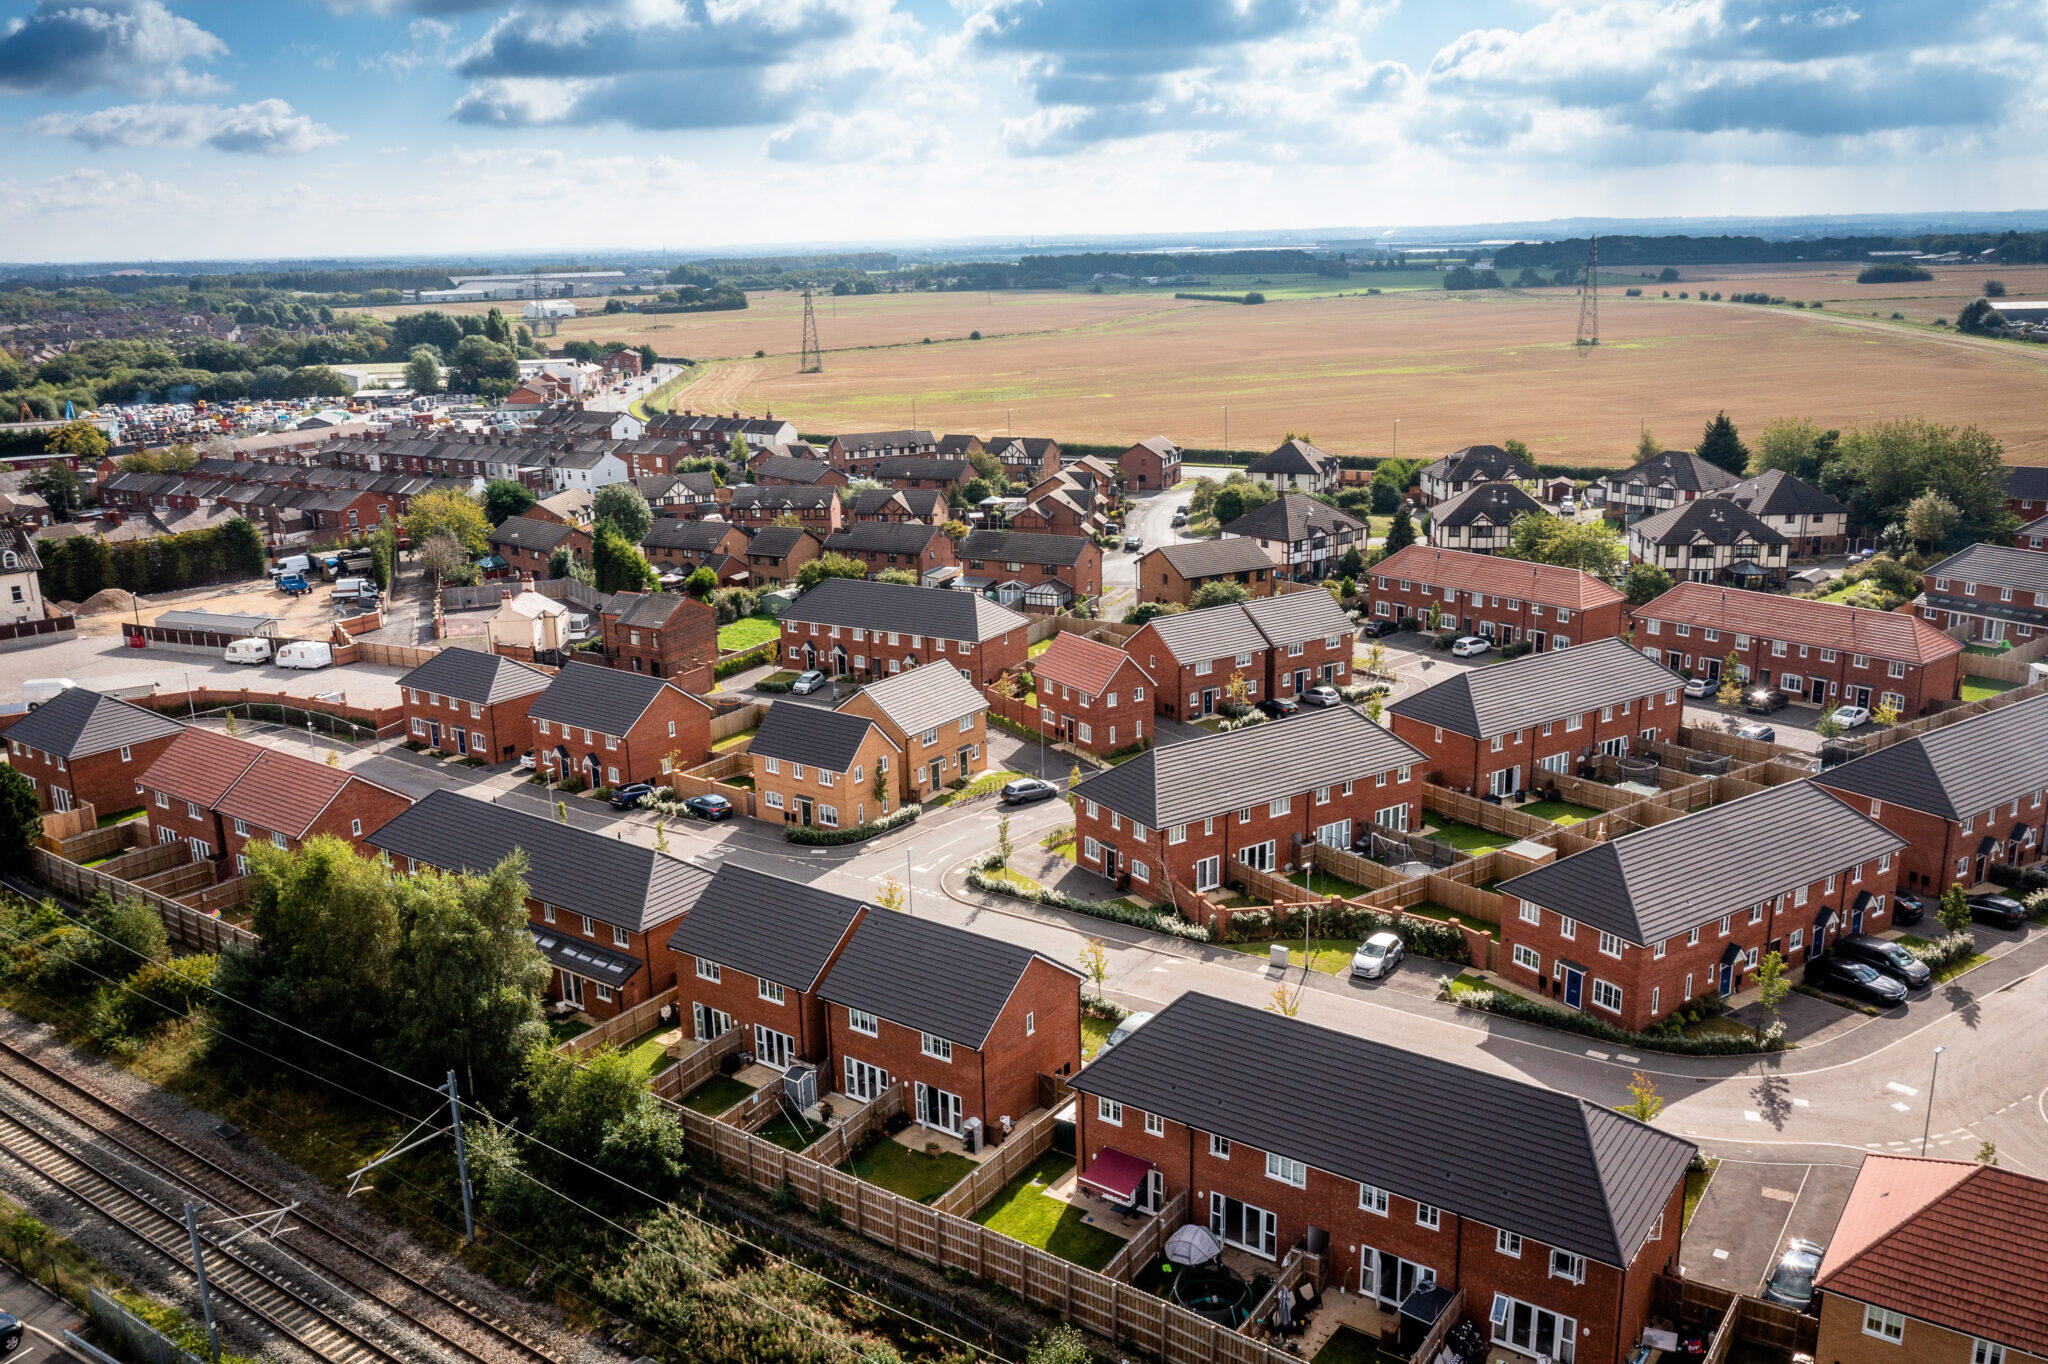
(1283, 1311)
(1192, 1245)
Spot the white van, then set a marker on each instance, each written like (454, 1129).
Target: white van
(351, 587)
(292, 563)
(255, 649)
(37, 690)
(306, 654)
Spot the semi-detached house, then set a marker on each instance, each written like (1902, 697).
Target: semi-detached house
(1713, 540)
(1481, 519)
(1497, 731)
(611, 727)
(1303, 535)
(1504, 600)
(1200, 661)
(1463, 470)
(1177, 813)
(1636, 927)
(1988, 593)
(823, 767)
(1384, 1162)
(470, 702)
(871, 629)
(937, 719)
(83, 748)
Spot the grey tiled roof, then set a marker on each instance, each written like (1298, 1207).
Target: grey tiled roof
(675, 532)
(924, 698)
(1481, 462)
(1661, 881)
(1298, 617)
(774, 542)
(882, 537)
(1715, 520)
(604, 700)
(1958, 771)
(794, 732)
(1208, 558)
(756, 494)
(470, 675)
(923, 466)
(79, 722)
(1210, 633)
(1561, 1170)
(936, 611)
(1777, 493)
(1291, 457)
(1026, 547)
(2027, 482)
(945, 981)
(1679, 469)
(802, 471)
(1200, 778)
(1497, 503)
(2024, 570)
(529, 533)
(1530, 690)
(1293, 517)
(854, 442)
(770, 927)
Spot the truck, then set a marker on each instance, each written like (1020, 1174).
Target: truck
(292, 585)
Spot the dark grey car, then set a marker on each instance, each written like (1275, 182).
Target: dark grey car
(1791, 1283)
(1888, 957)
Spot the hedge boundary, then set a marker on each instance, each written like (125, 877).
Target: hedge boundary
(1506, 1005)
(818, 836)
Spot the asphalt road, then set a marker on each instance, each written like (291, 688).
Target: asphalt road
(39, 1308)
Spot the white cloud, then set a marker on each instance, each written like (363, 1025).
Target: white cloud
(133, 45)
(870, 136)
(432, 41)
(268, 126)
(96, 191)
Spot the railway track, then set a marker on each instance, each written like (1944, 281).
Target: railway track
(454, 1326)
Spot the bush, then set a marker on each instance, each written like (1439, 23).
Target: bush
(1567, 1020)
(1946, 951)
(1424, 937)
(819, 836)
(765, 652)
(2026, 880)
(773, 685)
(1444, 639)
(1891, 272)
(984, 876)
(1517, 649)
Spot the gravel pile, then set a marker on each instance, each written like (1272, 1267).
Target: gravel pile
(109, 601)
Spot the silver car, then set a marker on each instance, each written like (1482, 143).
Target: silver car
(1377, 956)
(1123, 1030)
(807, 682)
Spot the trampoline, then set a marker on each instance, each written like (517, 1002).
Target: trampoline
(1214, 1291)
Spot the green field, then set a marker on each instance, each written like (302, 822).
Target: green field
(747, 632)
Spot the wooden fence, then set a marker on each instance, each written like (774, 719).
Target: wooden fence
(622, 1027)
(383, 721)
(2009, 666)
(229, 895)
(714, 778)
(696, 1066)
(854, 1128)
(180, 883)
(1298, 1267)
(185, 924)
(391, 655)
(147, 860)
(1149, 1240)
(737, 721)
(62, 824)
(1485, 814)
(94, 843)
(1011, 1159)
(1347, 865)
(1692, 1305)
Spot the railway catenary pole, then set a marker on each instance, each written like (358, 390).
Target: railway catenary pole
(461, 1159)
(199, 1270)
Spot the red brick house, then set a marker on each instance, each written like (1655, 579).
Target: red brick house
(857, 453)
(815, 509)
(1091, 695)
(284, 800)
(1191, 658)
(1497, 731)
(1178, 814)
(676, 545)
(1823, 653)
(2026, 491)
(828, 768)
(1989, 593)
(939, 721)
(527, 543)
(1506, 600)
(612, 727)
(908, 472)
(1174, 573)
(1638, 926)
(598, 907)
(1308, 640)
(1040, 573)
(624, 361)
(1150, 465)
(777, 553)
(182, 789)
(471, 702)
(790, 471)
(910, 546)
(871, 629)
(1374, 1148)
(928, 505)
(82, 748)
(971, 1052)
(663, 635)
(1059, 511)
(1964, 797)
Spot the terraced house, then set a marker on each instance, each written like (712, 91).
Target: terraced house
(1988, 593)
(470, 702)
(872, 629)
(858, 452)
(1497, 731)
(610, 727)
(1308, 640)
(1372, 1161)
(815, 509)
(1201, 661)
(83, 748)
(1636, 927)
(909, 546)
(1504, 600)
(1177, 814)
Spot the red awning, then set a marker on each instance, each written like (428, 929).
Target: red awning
(1115, 1175)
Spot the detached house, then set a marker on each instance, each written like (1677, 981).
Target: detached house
(1304, 536)
(1505, 600)
(777, 553)
(1174, 573)
(1479, 519)
(824, 767)
(1496, 731)
(1296, 466)
(1813, 524)
(1042, 573)
(471, 702)
(598, 907)
(613, 728)
(1463, 470)
(1371, 1160)
(911, 546)
(1964, 797)
(853, 625)
(1176, 814)
(82, 748)
(937, 719)
(1987, 593)
(662, 634)
(683, 546)
(1152, 464)
(1641, 925)
(1712, 540)
(1661, 482)
(1090, 695)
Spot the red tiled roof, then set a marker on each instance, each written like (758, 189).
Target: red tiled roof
(1545, 583)
(200, 765)
(1889, 635)
(1916, 1235)
(282, 793)
(1084, 664)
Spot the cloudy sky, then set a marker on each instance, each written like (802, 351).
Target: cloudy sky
(205, 128)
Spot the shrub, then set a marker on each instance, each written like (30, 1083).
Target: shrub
(1444, 639)
(1550, 1016)
(819, 836)
(1946, 951)
(775, 686)
(765, 652)
(1517, 649)
(1891, 272)
(984, 877)
(2026, 880)
(1632, 293)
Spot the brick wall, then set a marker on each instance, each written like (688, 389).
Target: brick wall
(1470, 612)
(1467, 763)
(1939, 854)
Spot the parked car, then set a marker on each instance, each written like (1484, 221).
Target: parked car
(1699, 686)
(2001, 910)
(1791, 1282)
(1322, 695)
(1567, 507)
(1279, 706)
(630, 797)
(526, 761)
(1848, 717)
(709, 807)
(1767, 733)
(37, 690)
(1377, 956)
(1888, 957)
(807, 681)
(1765, 700)
(1025, 790)
(1470, 646)
(1856, 979)
(254, 649)
(10, 1333)
(1131, 1024)
(1380, 629)
(306, 653)
(1908, 908)
(292, 585)
(1132, 544)
(1180, 518)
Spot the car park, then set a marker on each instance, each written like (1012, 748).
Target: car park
(1766, 733)
(1765, 700)
(1857, 980)
(1026, 790)
(709, 807)
(1888, 958)
(1470, 646)
(807, 682)
(1697, 687)
(1791, 1280)
(631, 797)
(2002, 910)
(1279, 706)
(1322, 695)
(1849, 717)
(1131, 1024)
(1377, 956)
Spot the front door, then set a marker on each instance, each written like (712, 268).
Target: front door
(1109, 862)
(1574, 985)
(462, 741)
(1856, 919)
(1536, 638)
(433, 734)
(936, 773)
(1243, 1225)
(1728, 974)
(1209, 695)
(1300, 680)
(803, 809)
(1817, 690)
(1862, 695)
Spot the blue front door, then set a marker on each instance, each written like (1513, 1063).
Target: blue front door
(1856, 920)
(1727, 976)
(1574, 982)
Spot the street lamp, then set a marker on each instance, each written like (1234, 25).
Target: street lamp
(1929, 1120)
(909, 886)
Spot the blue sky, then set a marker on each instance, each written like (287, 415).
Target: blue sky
(300, 127)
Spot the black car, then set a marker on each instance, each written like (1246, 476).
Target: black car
(1764, 700)
(1380, 629)
(1791, 1283)
(1856, 980)
(1279, 706)
(630, 797)
(10, 1333)
(1028, 789)
(709, 807)
(1908, 909)
(2002, 910)
(1888, 957)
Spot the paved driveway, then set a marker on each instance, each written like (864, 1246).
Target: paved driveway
(1751, 1209)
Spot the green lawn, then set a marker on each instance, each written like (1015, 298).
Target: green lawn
(121, 816)
(1025, 1211)
(1319, 882)
(648, 1054)
(1983, 688)
(560, 1030)
(1348, 1346)
(717, 1094)
(1954, 968)
(987, 784)
(1331, 956)
(731, 741)
(1469, 838)
(1094, 1032)
(1561, 812)
(914, 1174)
(747, 632)
(786, 1133)
(1696, 1182)
(1040, 647)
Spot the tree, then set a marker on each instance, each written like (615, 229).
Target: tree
(59, 486)
(1729, 695)
(1284, 1002)
(1644, 583)
(450, 564)
(1828, 727)
(1930, 518)
(1720, 445)
(423, 370)
(1094, 961)
(1004, 847)
(81, 439)
(991, 469)
(1063, 1344)
(1795, 445)
(481, 365)
(1644, 1102)
(831, 565)
(1219, 593)
(30, 1236)
(737, 450)
(1589, 546)
(1953, 913)
(1994, 288)
(450, 512)
(21, 817)
(1884, 716)
(384, 554)
(701, 583)
(956, 531)
(1881, 468)
(619, 566)
(1352, 565)
(624, 508)
(902, 577)
(890, 894)
(1401, 530)
(597, 1110)
(505, 499)
(1647, 446)
(496, 329)
(1980, 317)
(1771, 984)
(1518, 450)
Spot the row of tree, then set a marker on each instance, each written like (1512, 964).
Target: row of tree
(77, 566)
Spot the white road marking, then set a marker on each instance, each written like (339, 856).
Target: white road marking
(1897, 1088)
(1597, 1055)
(1903, 1108)
(1624, 1056)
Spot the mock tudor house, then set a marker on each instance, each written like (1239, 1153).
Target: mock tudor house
(1987, 593)
(470, 702)
(965, 1023)
(1174, 573)
(1463, 470)
(1901, 1280)
(527, 543)
(1814, 524)
(1496, 731)
(857, 453)
(1661, 482)
(1478, 519)
(915, 472)
(1308, 640)
(911, 546)
(611, 727)
(1505, 600)
(1370, 1161)
(1178, 814)
(1039, 573)
(283, 799)
(1197, 660)
(814, 766)
(937, 719)
(1295, 466)
(1090, 695)
(662, 634)
(683, 546)
(1964, 797)
(1025, 459)
(872, 629)
(816, 509)
(679, 495)
(1823, 653)
(598, 907)
(82, 748)
(1303, 535)
(1711, 540)
(777, 554)
(1638, 926)
(1153, 463)
(2026, 491)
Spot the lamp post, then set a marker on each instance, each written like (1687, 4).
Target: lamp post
(1928, 1122)
(909, 886)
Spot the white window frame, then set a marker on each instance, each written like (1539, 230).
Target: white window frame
(1883, 1323)
(1286, 1170)
(1109, 1111)
(934, 1046)
(1428, 1215)
(1508, 1243)
(1372, 1199)
(866, 1024)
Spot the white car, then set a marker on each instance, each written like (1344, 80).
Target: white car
(1123, 1030)
(1377, 956)
(526, 761)
(1848, 717)
(1470, 646)
(807, 682)
(1699, 686)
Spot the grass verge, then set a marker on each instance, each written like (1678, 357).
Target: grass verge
(1696, 1182)
(1954, 968)
(1331, 956)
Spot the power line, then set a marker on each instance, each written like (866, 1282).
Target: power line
(813, 361)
